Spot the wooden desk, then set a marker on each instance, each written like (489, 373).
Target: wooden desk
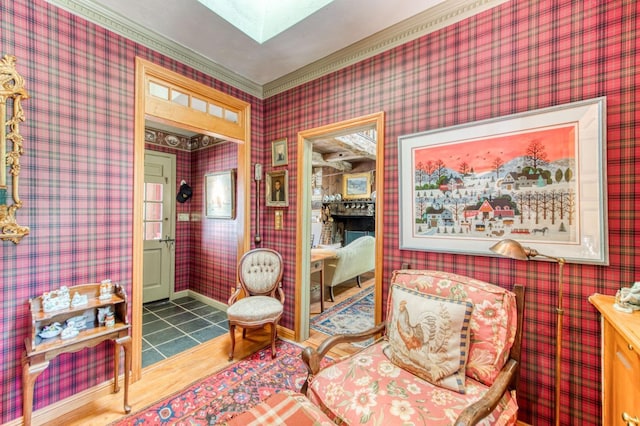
(40, 351)
(318, 256)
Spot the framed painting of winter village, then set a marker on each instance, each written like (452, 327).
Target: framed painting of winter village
(536, 177)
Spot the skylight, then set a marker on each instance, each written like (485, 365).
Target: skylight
(264, 19)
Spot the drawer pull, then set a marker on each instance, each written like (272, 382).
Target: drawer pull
(630, 421)
(630, 346)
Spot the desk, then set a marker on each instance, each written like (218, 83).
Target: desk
(318, 256)
(40, 351)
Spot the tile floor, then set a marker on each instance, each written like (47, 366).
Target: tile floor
(170, 327)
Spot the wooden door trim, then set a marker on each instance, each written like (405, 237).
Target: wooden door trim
(303, 240)
(144, 69)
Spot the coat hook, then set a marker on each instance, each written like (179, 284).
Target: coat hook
(183, 182)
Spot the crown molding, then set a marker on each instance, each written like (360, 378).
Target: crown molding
(119, 24)
(440, 16)
(431, 20)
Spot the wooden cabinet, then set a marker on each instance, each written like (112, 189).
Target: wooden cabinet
(89, 331)
(620, 363)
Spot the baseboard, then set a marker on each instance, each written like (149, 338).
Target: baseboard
(204, 299)
(59, 409)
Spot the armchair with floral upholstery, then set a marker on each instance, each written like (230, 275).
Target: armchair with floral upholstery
(449, 355)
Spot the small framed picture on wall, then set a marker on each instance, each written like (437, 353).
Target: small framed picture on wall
(220, 194)
(279, 155)
(277, 192)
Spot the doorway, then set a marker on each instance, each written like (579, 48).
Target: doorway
(303, 226)
(158, 225)
(172, 99)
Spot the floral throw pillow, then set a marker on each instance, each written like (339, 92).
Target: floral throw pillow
(429, 336)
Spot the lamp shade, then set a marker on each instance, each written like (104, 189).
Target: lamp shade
(510, 248)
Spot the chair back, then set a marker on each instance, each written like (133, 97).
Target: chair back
(495, 321)
(260, 272)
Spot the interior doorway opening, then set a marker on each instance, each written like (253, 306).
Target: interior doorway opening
(304, 239)
(166, 97)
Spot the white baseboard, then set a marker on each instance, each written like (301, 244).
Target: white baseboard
(204, 299)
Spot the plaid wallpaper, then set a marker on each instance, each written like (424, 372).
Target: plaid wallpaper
(520, 56)
(76, 184)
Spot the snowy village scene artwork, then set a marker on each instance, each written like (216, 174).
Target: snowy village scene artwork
(521, 184)
(524, 184)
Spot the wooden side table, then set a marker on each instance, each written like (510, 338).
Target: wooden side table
(318, 256)
(39, 351)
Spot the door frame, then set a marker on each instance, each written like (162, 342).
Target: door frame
(239, 132)
(303, 239)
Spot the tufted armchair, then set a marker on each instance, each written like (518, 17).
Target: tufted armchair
(449, 355)
(260, 281)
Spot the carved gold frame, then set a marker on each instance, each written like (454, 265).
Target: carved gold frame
(12, 93)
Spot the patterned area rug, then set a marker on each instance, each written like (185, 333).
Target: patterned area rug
(352, 315)
(228, 392)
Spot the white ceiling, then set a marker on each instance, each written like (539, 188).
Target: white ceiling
(189, 32)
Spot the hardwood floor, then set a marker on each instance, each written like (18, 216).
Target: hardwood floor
(167, 377)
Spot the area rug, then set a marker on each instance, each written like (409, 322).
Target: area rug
(352, 315)
(233, 390)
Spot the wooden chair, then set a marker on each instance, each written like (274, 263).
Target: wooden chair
(260, 281)
(490, 375)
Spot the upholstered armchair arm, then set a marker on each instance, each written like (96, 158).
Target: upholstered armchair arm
(313, 357)
(483, 407)
(280, 293)
(235, 292)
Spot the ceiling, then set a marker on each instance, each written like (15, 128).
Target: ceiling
(339, 34)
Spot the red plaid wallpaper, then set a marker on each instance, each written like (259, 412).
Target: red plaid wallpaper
(520, 56)
(76, 185)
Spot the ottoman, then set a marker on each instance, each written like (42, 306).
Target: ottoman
(284, 408)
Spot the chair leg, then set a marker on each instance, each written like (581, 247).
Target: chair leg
(232, 333)
(331, 293)
(274, 333)
(359, 281)
(244, 333)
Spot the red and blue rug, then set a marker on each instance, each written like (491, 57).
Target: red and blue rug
(352, 315)
(233, 390)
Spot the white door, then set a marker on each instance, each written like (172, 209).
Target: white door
(158, 225)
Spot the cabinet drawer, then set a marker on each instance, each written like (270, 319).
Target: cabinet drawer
(316, 266)
(625, 394)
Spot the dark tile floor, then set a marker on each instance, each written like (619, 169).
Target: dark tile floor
(170, 327)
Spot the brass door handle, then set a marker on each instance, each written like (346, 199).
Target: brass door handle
(630, 421)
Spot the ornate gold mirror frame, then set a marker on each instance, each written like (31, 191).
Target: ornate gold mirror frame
(12, 93)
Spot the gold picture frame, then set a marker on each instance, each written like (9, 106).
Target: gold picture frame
(277, 189)
(279, 155)
(356, 186)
